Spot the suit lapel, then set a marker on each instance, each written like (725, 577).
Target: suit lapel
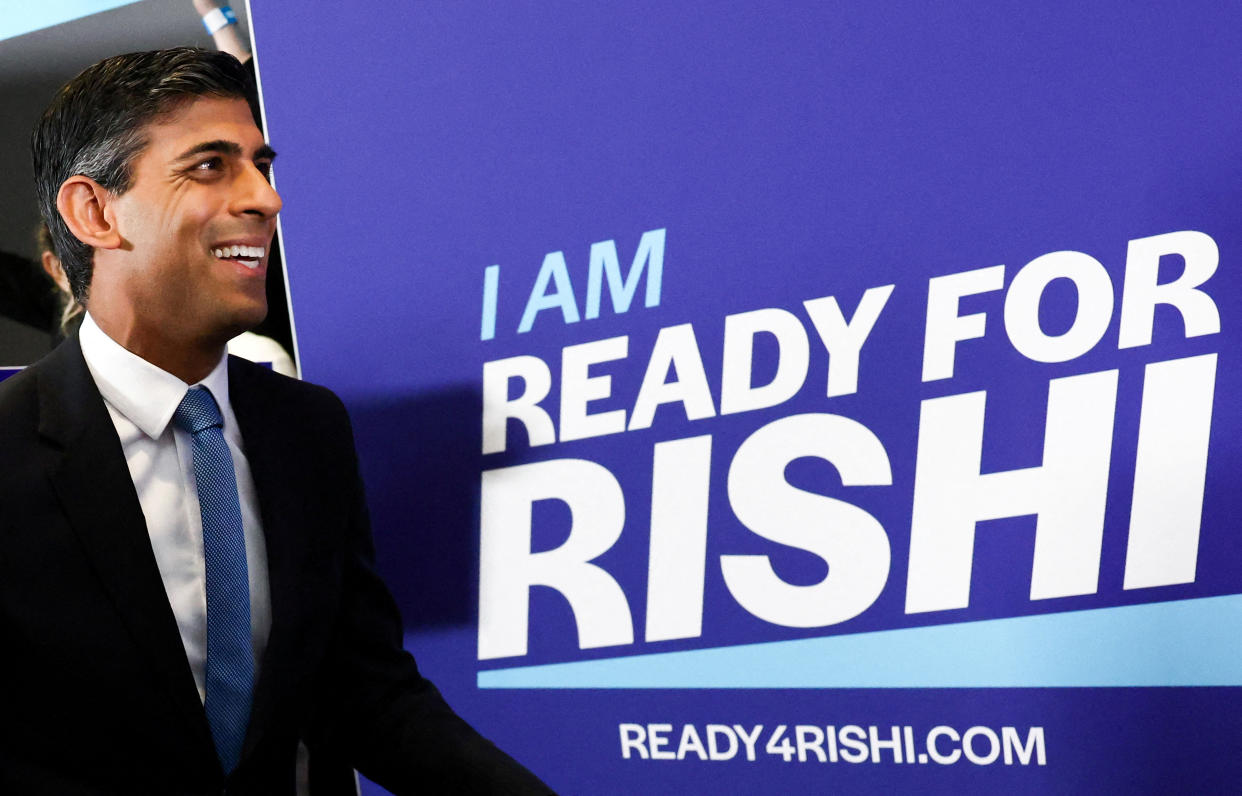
(97, 495)
(281, 500)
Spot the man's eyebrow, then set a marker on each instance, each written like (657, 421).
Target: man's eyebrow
(220, 145)
(224, 147)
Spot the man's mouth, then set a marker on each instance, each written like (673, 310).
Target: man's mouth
(248, 256)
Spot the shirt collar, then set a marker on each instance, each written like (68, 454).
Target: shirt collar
(140, 391)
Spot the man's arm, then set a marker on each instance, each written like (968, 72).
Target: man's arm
(376, 707)
(228, 38)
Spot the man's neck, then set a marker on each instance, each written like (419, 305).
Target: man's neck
(188, 360)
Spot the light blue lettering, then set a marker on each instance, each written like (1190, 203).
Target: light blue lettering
(604, 261)
(491, 287)
(553, 270)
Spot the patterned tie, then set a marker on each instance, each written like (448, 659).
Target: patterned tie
(230, 665)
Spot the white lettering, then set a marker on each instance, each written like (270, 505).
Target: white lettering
(844, 339)
(680, 482)
(498, 408)
(1067, 492)
(1141, 292)
(968, 748)
(748, 740)
(854, 744)
(690, 742)
(1095, 306)
(716, 731)
(657, 739)
(675, 347)
(810, 739)
(508, 568)
(1034, 743)
(737, 393)
(852, 541)
(945, 328)
(579, 388)
(633, 738)
(934, 753)
(1170, 471)
(893, 743)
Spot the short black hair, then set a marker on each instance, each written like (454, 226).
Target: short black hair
(94, 128)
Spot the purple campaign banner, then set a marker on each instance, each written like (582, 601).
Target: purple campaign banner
(822, 398)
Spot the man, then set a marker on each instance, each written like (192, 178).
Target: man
(186, 587)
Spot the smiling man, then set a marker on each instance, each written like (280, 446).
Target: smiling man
(186, 588)
(180, 254)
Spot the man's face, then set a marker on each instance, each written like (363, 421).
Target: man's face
(196, 224)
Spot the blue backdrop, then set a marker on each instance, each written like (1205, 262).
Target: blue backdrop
(814, 568)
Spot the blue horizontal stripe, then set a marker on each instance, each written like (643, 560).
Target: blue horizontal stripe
(1183, 643)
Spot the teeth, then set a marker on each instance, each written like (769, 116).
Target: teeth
(246, 253)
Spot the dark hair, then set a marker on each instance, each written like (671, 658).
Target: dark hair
(95, 128)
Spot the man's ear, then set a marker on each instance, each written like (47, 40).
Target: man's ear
(83, 204)
(53, 268)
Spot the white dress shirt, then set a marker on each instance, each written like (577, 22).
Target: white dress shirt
(141, 400)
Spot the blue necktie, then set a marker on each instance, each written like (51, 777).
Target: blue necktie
(230, 665)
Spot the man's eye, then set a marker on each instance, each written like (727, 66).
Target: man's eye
(210, 164)
(265, 168)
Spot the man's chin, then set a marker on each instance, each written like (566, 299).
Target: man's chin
(244, 319)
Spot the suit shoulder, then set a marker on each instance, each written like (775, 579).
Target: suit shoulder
(247, 378)
(18, 398)
(17, 385)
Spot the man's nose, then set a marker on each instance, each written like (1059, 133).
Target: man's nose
(255, 195)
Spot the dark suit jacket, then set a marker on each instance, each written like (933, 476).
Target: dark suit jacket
(96, 696)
